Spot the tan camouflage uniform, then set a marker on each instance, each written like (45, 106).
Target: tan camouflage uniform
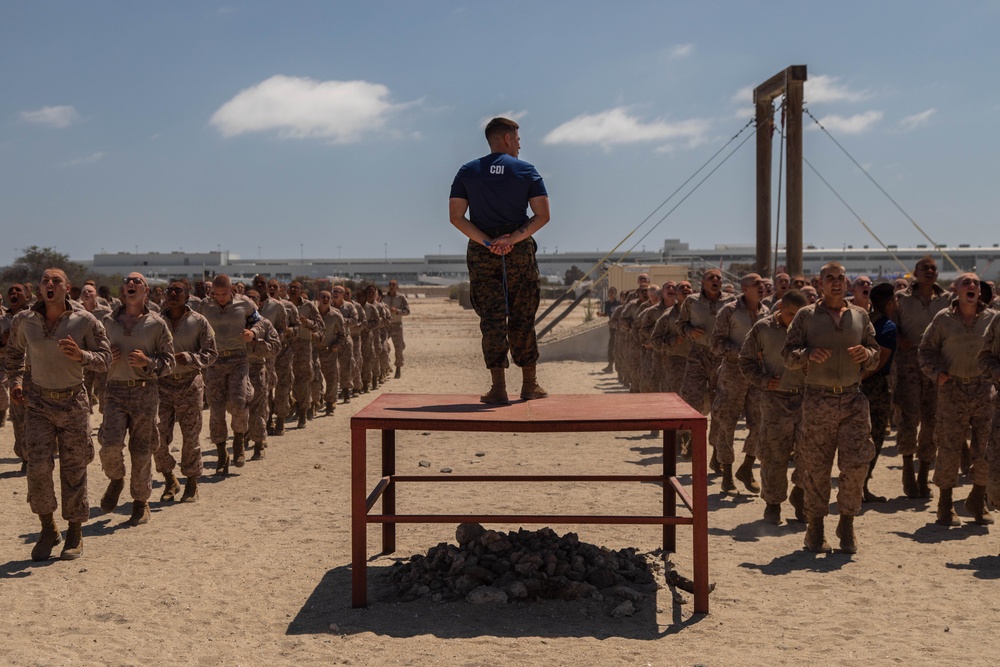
(259, 352)
(989, 363)
(701, 372)
(400, 303)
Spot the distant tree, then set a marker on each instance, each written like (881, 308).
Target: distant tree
(572, 275)
(34, 260)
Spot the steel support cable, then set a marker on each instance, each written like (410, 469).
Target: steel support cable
(882, 190)
(863, 223)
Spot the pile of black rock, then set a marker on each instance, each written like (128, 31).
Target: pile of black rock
(524, 565)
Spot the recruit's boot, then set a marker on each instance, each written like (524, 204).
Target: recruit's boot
(73, 548)
(109, 501)
(222, 462)
(170, 487)
(845, 531)
(364, 388)
(976, 505)
(47, 538)
(797, 499)
(399, 370)
(745, 474)
(497, 395)
(922, 487)
(190, 490)
(279, 426)
(347, 395)
(772, 513)
(713, 463)
(728, 485)
(3, 418)
(140, 513)
(302, 419)
(239, 449)
(258, 451)
(270, 425)
(869, 497)
(945, 510)
(910, 488)
(815, 541)
(329, 408)
(530, 389)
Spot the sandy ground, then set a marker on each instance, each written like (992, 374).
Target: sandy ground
(258, 571)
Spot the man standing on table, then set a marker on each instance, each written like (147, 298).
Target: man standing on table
(834, 342)
(496, 190)
(62, 341)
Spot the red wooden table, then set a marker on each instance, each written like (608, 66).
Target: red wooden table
(557, 414)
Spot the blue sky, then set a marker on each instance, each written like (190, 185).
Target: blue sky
(338, 127)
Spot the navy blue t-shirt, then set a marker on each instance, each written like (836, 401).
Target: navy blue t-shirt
(885, 335)
(498, 188)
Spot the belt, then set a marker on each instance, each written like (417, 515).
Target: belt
(53, 394)
(784, 392)
(970, 380)
(849, 389)
(233, 353)
(180, 376)
(128, 383)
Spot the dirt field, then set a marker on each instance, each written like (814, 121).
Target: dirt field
(258, 571)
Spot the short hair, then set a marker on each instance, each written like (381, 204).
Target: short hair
(222, 280)
(881, 295)
(794, 297)
(251, 293)
(831, 266)
(498, 127)
(925, 258)
(716, 272)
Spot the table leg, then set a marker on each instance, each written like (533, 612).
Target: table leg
(699, 496)
(669, 495)
(389, 495)
(359, 519)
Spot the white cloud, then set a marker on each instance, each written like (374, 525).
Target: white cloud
(856, 124)
(744, 95)
(921, 119)
(58, 117)
(300, 108)
(825, 88)
(618, 127)
(680, 51)
(510, 115)
(90, 159)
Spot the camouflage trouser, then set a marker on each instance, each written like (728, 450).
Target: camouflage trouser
(633, 362)
(281, 403)
(345, 363)
(673, 373)
(611, 344)
(505, 294)
(619, 353)
(993, 455)
(734, 396)
(95, 383)
(130, 411)
(367, 358)
(257, 407)
(302, 372)
(17, 413)
(398, 345)
(51, 426)
(701, 375)
(959, 407)
(227, 385)
(383, 357)
(834, 424)
(876, 389)
(180, 403)
(317, 381)
(652, 371)
(358, 362)
(916, 395)
(4, 396)
(780, 433)
(330, 363)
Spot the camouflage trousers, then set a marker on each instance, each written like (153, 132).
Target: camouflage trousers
(227, 385)
(132, 412)
(916, 396)
(834, 424)
(302, 372)
(368, 359)
(879, 396)
(330, 363)
(398, 344)
(58, 425)
(4, 396)
(383, 358)
(180, 403)
(17, 416)
(734, 396)
(358, 362)
(959, 407)
(345, 363)
(281, 397)
(95, 383)
(505, 295)
(780, 434)
(651, 371)
(673, 373)
(633, 363)
(257, 407)
(317, 381)
(993, 455)
(701, 375)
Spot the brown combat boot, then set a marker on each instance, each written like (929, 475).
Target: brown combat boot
(797, 500)
(530, 389)
(73, 548)
(772, 513)
(745, 474)
(347, 395)
(222, 462)
(190, 490)
(922, 487)
(728, 485)
(258, 451)
(845, 531)
(239, 457)
(815, 541)
(140, 513)
(170, 487)
(945, 510)
(109, 501)
(713, 463)
(910, 488)
(329, 408)
(976, 505)
(399, 372)
(497, 395)
(279, 426)
(47, 539)
(302, 419)
(3, 418)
